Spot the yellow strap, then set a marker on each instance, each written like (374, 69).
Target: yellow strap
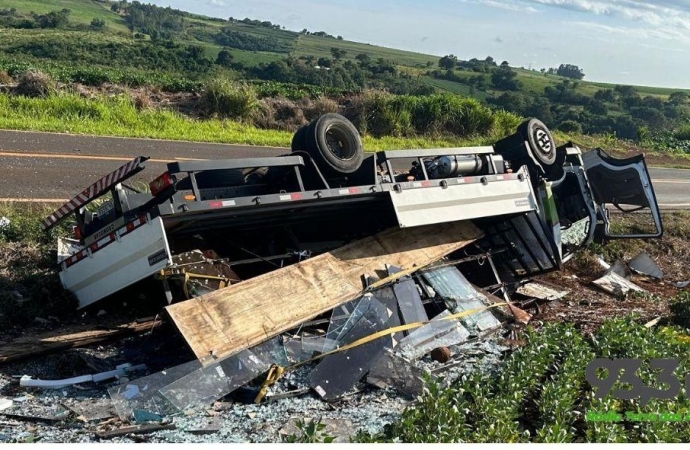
(394, 330)
(276, 371)
(274, 374)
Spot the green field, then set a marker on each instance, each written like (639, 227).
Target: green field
(81, 11)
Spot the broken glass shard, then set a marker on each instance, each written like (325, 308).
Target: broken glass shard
(143, 393)
(460, 295)
(337, 374)
(392, 370)
(440, 332)
(214, 381)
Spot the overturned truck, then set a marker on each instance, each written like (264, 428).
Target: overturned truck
(203, 225)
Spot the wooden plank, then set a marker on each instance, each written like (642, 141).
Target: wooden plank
(46, 343)
(240, 316)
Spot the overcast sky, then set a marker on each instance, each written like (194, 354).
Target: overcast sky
(616, 41)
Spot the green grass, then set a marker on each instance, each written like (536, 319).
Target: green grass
(321, 46)
(81, 11)
(117, 116)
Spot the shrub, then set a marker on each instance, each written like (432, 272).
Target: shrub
(680, 308)
(5, 77)
(682, 133)
(228, 99)
(570, 126)
(322, 105)
(279, 113)
(36, 84)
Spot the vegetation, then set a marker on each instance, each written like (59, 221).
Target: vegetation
(94, 42)
(540, 394)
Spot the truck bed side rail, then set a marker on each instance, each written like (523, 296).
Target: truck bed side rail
(94, 191)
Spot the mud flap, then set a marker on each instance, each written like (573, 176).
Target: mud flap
(625, 185)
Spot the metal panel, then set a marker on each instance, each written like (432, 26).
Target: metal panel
(238, 163)
(135, 256)
(415, 207)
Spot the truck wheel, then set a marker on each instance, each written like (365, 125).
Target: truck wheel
(298, 139)
(540, 140)
(334, 143)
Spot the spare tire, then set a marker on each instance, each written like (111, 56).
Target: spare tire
(334, 143)
(540, 141)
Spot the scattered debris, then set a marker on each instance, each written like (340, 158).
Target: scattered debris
(541, 291)
(645, 265)
(51, 343)
(615, 284)
(441, 354)
(245, 314)
(137, 429)
(91, 410)
(121, 370)
(5, 403)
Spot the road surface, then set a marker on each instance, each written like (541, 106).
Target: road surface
(48, 166)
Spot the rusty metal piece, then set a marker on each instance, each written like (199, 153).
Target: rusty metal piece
(441, 354)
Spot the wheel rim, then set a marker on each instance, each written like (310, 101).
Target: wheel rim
(340, 144)
(543, 141)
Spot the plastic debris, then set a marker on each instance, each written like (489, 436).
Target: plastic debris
(645, 265)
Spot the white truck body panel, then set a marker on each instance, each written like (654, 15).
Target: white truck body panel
(460, 201)
(129, 257)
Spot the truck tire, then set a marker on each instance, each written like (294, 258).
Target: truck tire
(298, 139)
(540, 141)
(334, 143)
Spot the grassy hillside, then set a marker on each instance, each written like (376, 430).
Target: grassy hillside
(98, 41)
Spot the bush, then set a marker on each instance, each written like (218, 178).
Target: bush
(228, 99)
(680, 308)
(36, 84)
(279, 113)
(570, 126)
(5, 77)
(318, 107)
(682, 133)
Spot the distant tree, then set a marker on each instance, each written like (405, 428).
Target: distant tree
(505, 64)
(97, 24)
(429, 63)
(625, 91)
(363, 59)
(505, 79)
(678, 98)
(489, 61)
(309, 59)
(324, 62)
(605, 95)
(448, 62)
(115, 8)
(340, 38)
(570, 126)
(596, 107)
(338, 53)
(54, 19)
(224, 58)
(570, 71)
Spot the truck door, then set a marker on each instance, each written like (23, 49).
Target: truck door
(623, 191)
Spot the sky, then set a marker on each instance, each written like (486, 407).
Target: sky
(615, 41)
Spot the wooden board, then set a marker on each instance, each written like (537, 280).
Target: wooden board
(53, 342)
(240, 316)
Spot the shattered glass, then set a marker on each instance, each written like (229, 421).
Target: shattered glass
(214, 381)
(460, 295)
(143, 393)
(437, 333)
(392, 370)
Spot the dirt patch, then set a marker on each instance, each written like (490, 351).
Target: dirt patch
(588, 307)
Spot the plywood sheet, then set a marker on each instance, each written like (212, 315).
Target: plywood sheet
(240, 316)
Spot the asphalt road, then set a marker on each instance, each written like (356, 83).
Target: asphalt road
(48, 166)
